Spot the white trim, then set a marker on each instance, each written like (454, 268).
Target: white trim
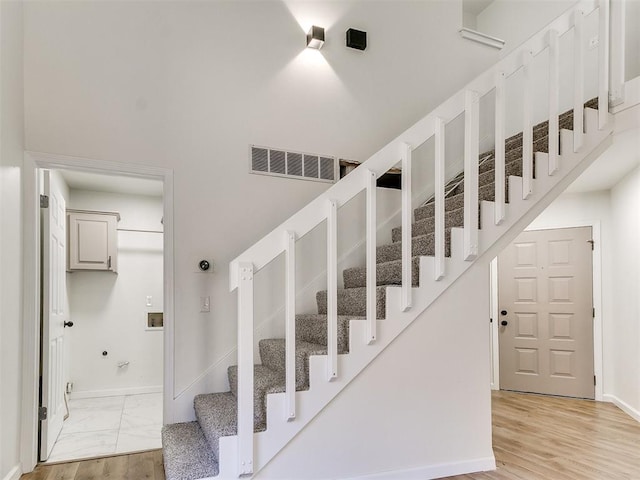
(31, 303)
(440, 470)
(14, 473)
(493, 302)
(598, 369)
(116, 392)
(482, 38)
(622, 405)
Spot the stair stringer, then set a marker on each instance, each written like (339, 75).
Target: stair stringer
(492, 239)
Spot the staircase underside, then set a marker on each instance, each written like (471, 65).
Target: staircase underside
(208, 447)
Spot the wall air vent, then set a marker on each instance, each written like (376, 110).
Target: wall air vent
(303, 166)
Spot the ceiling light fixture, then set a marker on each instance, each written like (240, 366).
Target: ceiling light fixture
(315, 37)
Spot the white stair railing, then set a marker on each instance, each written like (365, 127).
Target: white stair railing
(325, 207)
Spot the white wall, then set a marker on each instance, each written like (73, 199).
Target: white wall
(11, 147)
(514, 21)
(632, 39)
(187, 86)
(433, 378)
(625, 202)
(109, 311)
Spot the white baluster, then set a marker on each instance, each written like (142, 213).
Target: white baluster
(527, 127)
(471, 152)
(439, 130)
(290, 325)
(245, 368)
(406, 227)
(554, 88)
(499, 149)
(332, 292)
(603, 63)
(578, 79)
(371, 256)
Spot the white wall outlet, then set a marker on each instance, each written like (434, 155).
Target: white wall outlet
(205, 304)
(149, 301)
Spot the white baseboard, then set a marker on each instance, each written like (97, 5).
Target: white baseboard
(435, 471)
(114, 392)
(14, 473)
(622, 405)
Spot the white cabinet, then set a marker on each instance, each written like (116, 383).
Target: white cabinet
(93, 242)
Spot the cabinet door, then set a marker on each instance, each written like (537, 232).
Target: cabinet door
(92, 241)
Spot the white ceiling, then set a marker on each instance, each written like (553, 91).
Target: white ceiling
(113, 184)
(619, 159)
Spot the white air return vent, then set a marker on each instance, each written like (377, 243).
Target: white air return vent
(304, 166)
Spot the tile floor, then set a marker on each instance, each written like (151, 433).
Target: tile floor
(108, 425)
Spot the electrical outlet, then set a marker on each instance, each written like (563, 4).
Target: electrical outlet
(205, 304)
(149, 301)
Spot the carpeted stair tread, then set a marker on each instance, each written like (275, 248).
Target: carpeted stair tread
(312, 328)
(421, 245)
(186, 452)
(264, 379)
(452, 218)
(388, 273)
(353, 301)
(217, 414)
(486, 192)
(488, 178)
(272, 353)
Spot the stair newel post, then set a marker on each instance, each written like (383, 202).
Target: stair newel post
(371, 225)
(471, 172)
(499, 149)
(290, 325)
(603, 63)
(578, 80)
(527, 127)
(245, 368)
(332, 292)
(406, 227)
(554, 88)
(439, 132)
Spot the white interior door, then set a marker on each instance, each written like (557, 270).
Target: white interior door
(54, 315)
(546, 313)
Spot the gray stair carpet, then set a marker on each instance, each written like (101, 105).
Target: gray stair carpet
(191, 449)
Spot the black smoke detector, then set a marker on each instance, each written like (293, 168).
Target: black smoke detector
(356, 39)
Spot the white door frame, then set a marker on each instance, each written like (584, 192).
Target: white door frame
(597, 304)
(33, 161)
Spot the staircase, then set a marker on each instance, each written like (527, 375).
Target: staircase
(238, 432)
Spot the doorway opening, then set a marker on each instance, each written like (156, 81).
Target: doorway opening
(545, 308)
(113, 378)
(102, 314)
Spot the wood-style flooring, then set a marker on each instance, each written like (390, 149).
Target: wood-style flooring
(541, 437)
(137, 466)
(534, 437)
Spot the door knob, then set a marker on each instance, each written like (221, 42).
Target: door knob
(504, 323)
(503, 312)
(68, 324)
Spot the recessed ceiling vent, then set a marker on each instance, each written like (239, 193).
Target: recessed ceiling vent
(303, 166)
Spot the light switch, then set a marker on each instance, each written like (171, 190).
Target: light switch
(205, 304)
(149, 298)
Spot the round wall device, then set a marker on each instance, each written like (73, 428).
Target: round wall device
(204, 265)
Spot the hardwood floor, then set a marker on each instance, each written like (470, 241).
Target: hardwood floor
(534, 437)
(540, 437)
(137, 466)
